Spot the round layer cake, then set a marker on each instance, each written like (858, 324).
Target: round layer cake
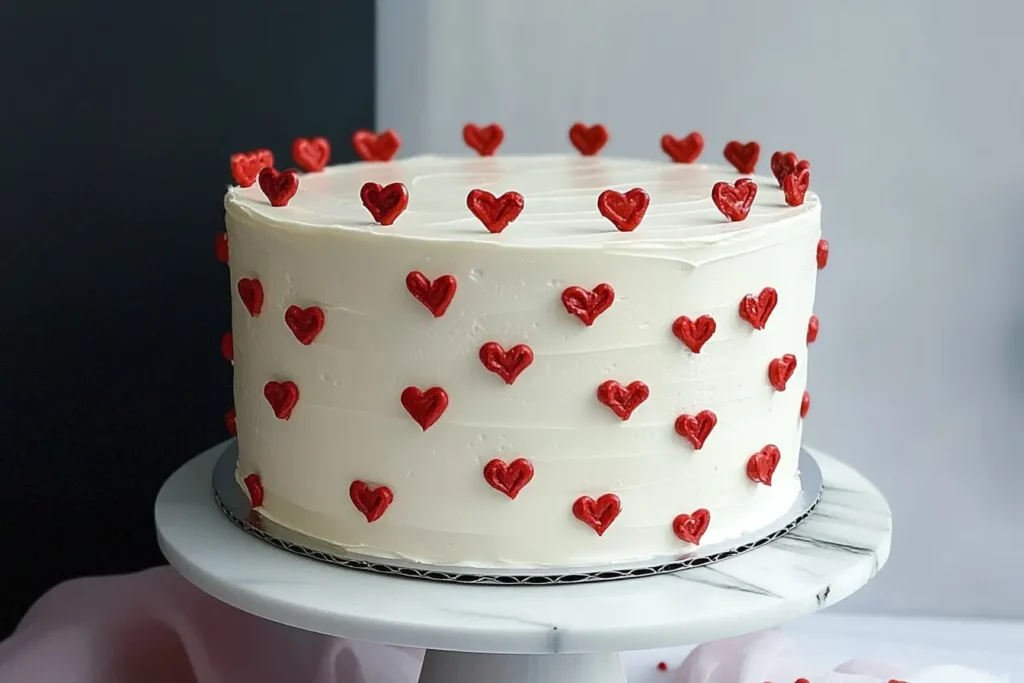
(564, 392)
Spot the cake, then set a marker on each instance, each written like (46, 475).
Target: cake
(547, 361)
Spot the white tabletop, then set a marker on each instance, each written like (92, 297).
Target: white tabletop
(833, 553)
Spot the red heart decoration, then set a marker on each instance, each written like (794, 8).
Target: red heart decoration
(246, 166)
(694, 333)
(734, 201)
(691, 528)
(251, 294)
(506, 364)
(683, 150)
(495, 212)
(805, 405)
(511, 478)
(255, 488)
(282, 397)
(311, 154)
(279, 188)
(588, 139)
(221, 247)
(372, 502)
(597, 514)
(386, 203)
(625, 211)
(587, 305)
(784, 163)
(780, 370)
(757, 311)
(742, 155)
(434, 295)
(761, 465)
(227, 346)
(622, 400)
(305, 323)
(485, 141)
(230, 421)
(372, 147)
(795, 186)
(812, 329)
(425, 407)
(822, 253)
(696, 428)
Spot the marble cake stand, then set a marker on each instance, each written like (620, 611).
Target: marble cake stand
(531, 634)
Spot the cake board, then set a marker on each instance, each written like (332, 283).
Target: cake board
(531, 634)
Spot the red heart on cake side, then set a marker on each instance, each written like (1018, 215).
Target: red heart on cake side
(795, 186)
(385, 203)
(251, 294)
(742, 155)
(691, 527)
(622, 400)
(434, 295)
(694, 333)
(220, 247)
(484, 140)
(230, 421)
(372, 502)
(696, 428)
(757, 311)
(506, 364)
(255, 489)
(805, 405)
(588, 140)
(246, 166)
(734, 201)
(495, 212)
(425, 407)
(305, 323)
(761, 465)
(311, 154)
(279, 187)
(597, 514)
(227, 346)
(508, 478)
(587, 305)
(784, 163)
(373, 147)
(822, 253)
(625, 211)
(812, 329)
(683, 150)
(282, 397)
(780, 370)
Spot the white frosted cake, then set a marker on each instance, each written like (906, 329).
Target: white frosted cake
(546, 379)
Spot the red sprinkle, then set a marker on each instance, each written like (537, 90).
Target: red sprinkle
(506, 364)
(734, 201)
(279, 188)
(508, 478)
(282, 397)
(761, 465)
(372, 502)
(822, 253)
(812, 329)
(795, 186)
(625, 211)
(662, 666)
(597, 514)
(425, 407)
(435, 295)
(805, 405)
(780, 370)
(587, 305)
(622, 400)
(386, 203)
(495, 212)
(691, 527)
(305, 323)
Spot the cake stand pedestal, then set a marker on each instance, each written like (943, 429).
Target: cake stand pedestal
(531, 634)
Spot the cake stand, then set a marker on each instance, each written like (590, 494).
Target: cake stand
(531, 634)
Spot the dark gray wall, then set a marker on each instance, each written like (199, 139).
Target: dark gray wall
(116, 123)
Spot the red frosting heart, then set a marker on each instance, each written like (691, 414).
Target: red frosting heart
(588, 139)
(495, 212)
(694, 333)
(625, 211)
(372, 502)
(282, 397)
(279, 187)
(597, 514)
(696, 428)
(795, 186)
(691, 527)
(311, 154)
(734, 201)
(486, 140)
(434, 295)
(822, 253)
(805, 405)
(511, 478)
(780, 370)
(812, 329)
(373, 147)
(246, 166)
(761, 465)
(683, 150)
(227, 346)
(506, 364)
(221, 247)
(425, 407)
(622, 400)
(757, 311)
(251, 294)
(587, 305)
(255, 488)
(742, 155)
(230, 421)
(305, 323)
(784, 163)
(386, 203)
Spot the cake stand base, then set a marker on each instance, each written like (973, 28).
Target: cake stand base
(463, 667)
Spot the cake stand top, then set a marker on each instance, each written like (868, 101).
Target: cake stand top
(834, 552)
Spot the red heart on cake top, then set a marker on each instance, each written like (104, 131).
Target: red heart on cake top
(588, 139)
(822, 253)
(227, 346)
(780, 370)
(805, 405)
(305, 323)
(696, 428)
(220, 247)
(506, 364)
(691, 527)
(282, 397)
(484, 140)
(373, 147)
(255, 488)
(683, 150)
(230, 421)
(623, 400)
(587, 305)
(509, 479)
(795, 186)
(784, 163)
(743, 156)
(625, 211)
(385, 203)
(311, 154)
(694, 333)
(812, 329)
(597, 514)
(761, 465)
(425, 407)
(372, 502)
(251, 294)
(495, 212)
(246, 166)
(757, 311)
(279, 187)
(434, 295)
(734, 201)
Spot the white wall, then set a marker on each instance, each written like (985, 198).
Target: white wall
(912, 114)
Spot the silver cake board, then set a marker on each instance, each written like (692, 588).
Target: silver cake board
(234, 503)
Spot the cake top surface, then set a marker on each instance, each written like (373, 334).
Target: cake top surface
(560, 194)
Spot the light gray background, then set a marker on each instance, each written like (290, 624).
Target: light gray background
(912, 115)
